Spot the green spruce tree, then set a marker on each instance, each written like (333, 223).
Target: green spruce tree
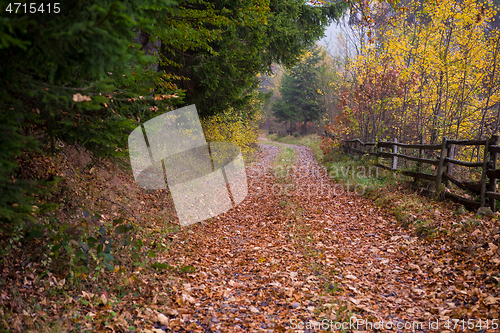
(72, 75)
(300, 100)
(245, 38)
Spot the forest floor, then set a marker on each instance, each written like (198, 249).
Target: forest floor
(300, 254)
(303, 253)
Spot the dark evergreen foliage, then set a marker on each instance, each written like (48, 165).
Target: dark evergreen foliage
(87, 48)
(77, 77)
(300, 99)
(221, 73)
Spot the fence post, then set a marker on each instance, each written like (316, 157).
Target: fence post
(439, 175)
(450, 152)
(378, 151)
(493, 181)
(483, 174)
(395, 158)
(421, 155)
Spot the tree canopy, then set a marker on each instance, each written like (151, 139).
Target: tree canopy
(89, 74)
(74, 77)
(246, 38)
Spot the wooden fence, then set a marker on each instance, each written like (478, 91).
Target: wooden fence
(486, 187)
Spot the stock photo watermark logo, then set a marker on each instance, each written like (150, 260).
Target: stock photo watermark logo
(204, 179)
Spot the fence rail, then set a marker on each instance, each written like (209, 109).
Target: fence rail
(486, 188)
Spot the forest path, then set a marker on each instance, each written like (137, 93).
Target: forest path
(301, 252)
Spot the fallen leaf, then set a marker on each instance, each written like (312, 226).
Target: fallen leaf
(162, 319)
(254, 309)
(81, 98)
(188, 298)
(104, 299)
(171, 312)
(353, 300)
(490, 300)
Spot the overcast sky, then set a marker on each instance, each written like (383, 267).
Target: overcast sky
(330, 38)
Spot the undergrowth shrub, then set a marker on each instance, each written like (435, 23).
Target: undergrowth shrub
(87, 245)
(240, 127)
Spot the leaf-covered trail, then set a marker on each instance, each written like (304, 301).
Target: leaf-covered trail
(311, 255)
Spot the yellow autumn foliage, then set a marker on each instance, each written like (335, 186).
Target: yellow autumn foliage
(448, 62)
(240, 128)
